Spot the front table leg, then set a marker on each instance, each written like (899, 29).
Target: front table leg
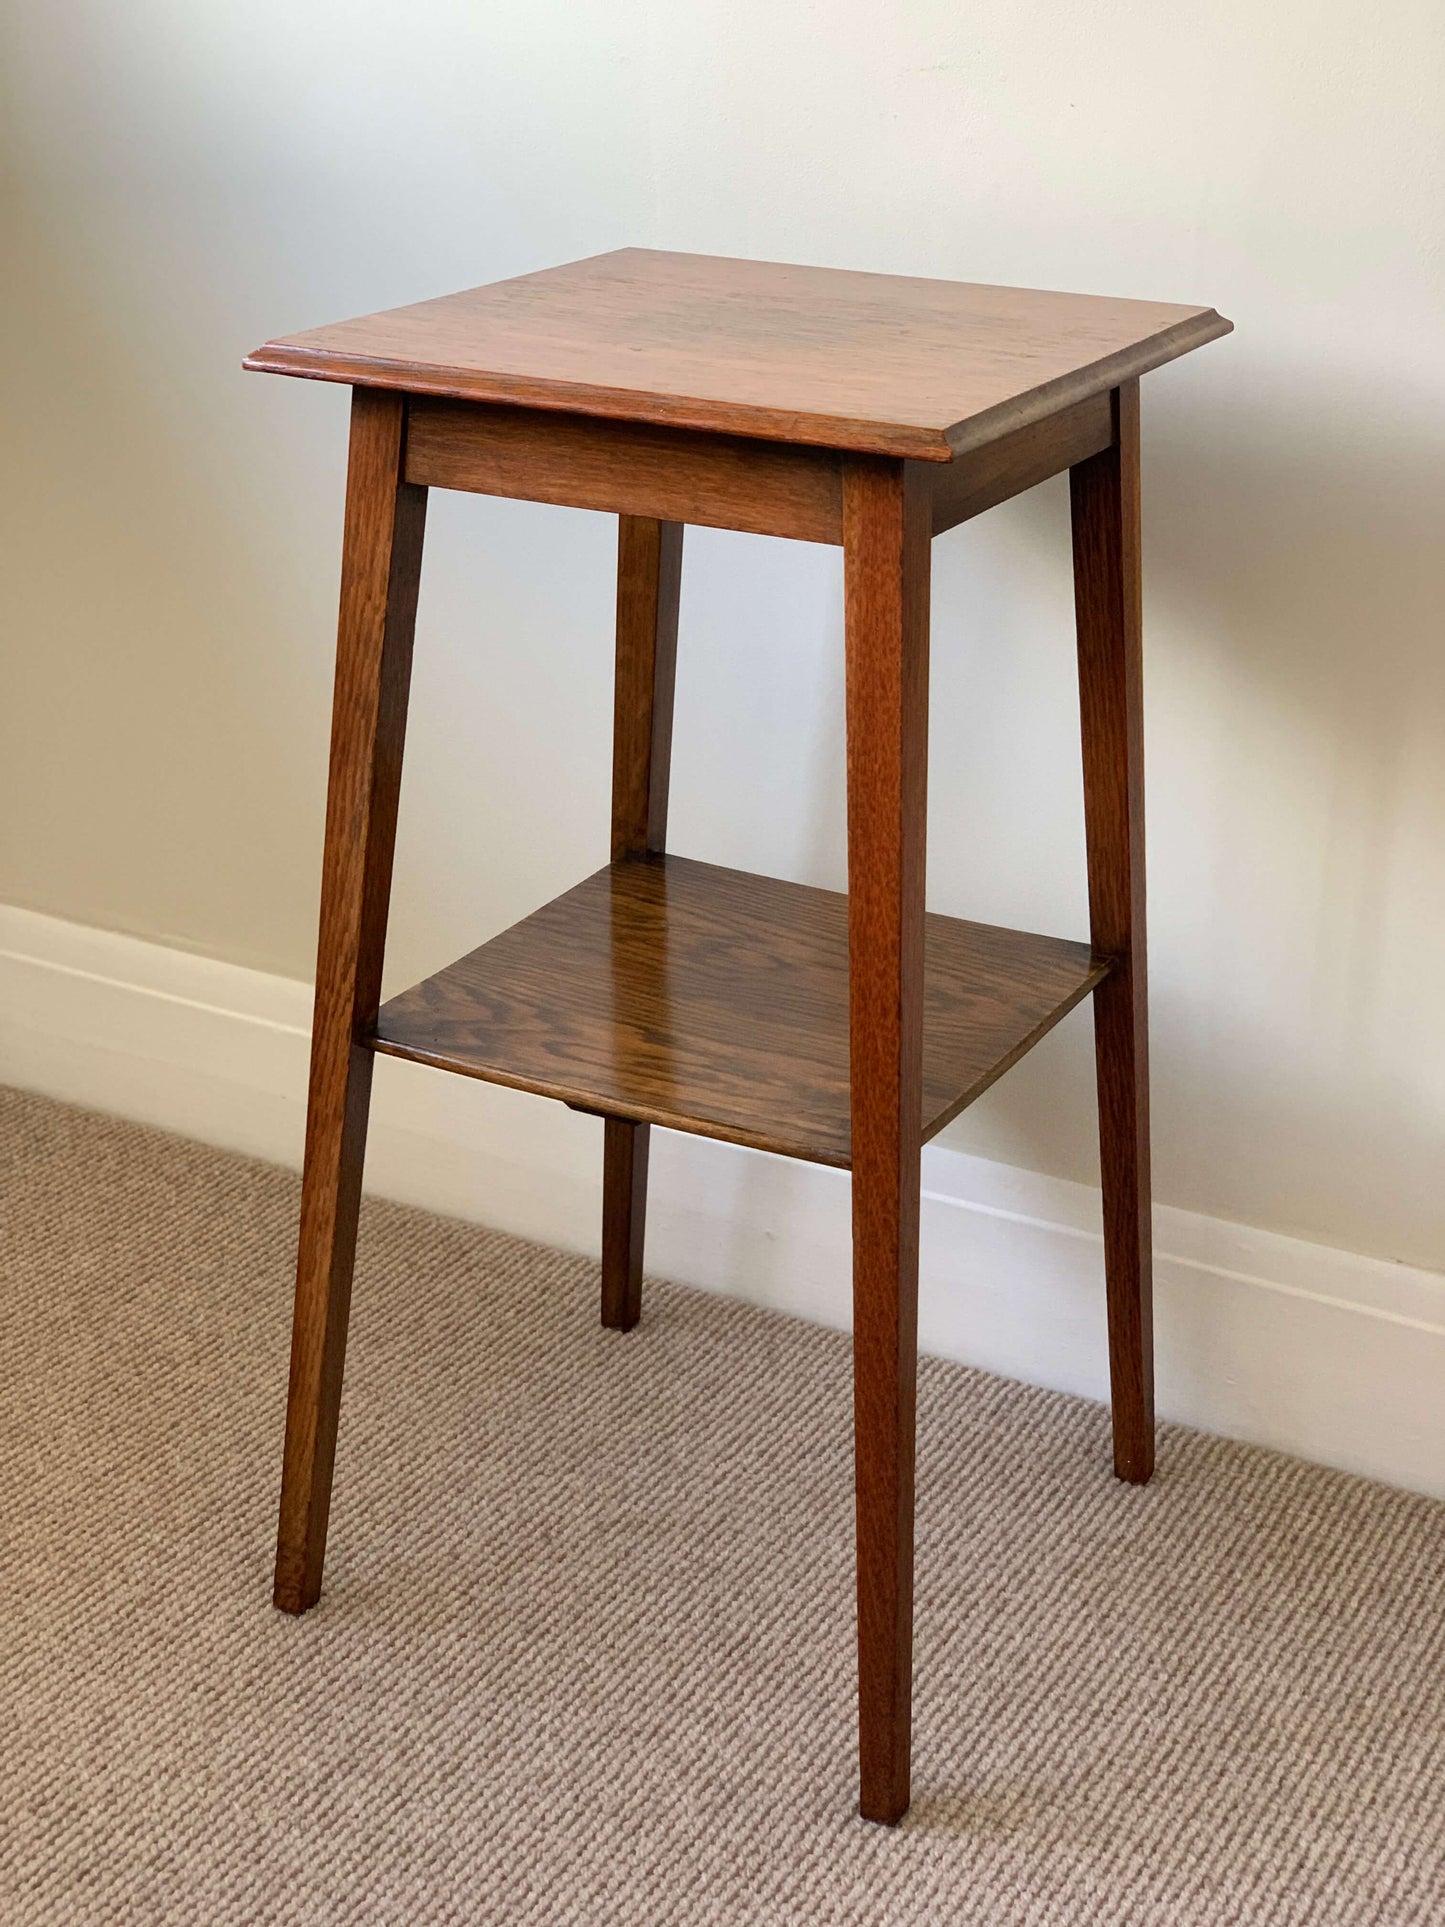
(649, 583)
(886, 541)
(380, 569)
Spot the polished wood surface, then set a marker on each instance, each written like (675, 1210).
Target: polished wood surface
(649, 583)
(628, 468)
(716, 1001)
(877, 363)
(886, 531)
(1104, 492)
(380, 572)
(870, 410)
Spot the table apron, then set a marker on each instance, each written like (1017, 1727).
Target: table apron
(986, 476)
(717, 481)
(626, 468)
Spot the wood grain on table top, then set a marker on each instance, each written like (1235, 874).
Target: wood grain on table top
(874, 363)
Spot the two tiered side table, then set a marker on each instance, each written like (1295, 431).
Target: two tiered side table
(864, 410)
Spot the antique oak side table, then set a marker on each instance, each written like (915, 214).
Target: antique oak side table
(864, 410)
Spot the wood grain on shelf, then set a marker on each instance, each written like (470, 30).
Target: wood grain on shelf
(874, 363)
(716, 1001)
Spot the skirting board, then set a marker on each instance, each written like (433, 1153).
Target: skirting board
(1327, 1354)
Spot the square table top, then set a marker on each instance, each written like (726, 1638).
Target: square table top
(882, 364)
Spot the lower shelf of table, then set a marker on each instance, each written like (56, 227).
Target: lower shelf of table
(710, 1000)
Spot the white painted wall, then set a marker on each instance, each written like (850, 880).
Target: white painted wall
(182, 180)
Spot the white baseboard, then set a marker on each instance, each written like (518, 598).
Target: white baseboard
(1333, 1356)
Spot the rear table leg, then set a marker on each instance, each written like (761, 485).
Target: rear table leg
(649, 577)
(1105, 497)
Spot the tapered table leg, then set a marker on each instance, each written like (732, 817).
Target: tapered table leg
(886, 562)
(649, 579)
(381, 564)
(1105, 498)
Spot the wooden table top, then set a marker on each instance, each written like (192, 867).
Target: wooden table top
(873, 363)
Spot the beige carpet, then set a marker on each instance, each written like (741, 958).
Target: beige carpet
(585, 1652)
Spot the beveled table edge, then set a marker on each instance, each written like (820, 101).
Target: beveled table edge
(899, 440)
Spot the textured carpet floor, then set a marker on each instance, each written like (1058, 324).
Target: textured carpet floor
(585, 1652)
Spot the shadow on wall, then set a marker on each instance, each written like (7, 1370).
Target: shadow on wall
(163, 703)
(1295, 582)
